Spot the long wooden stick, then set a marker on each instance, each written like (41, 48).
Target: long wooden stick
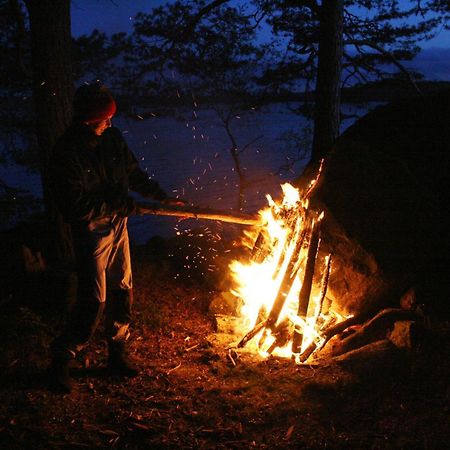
(158, 209)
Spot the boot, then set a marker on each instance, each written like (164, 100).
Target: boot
(119, 362)
(59, 378)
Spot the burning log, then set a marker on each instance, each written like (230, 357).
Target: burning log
(260, 324)
(305, 291)
(286, 283)
(251, 334)
(320, 322)
(282, 334)
(291, 218)
(327, 334)
(283, 292)
(259, 250)
(158, 209)
(271, 277)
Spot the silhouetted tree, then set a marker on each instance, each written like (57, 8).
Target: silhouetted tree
(37, 51)
(52, 95)
(17, 140)
(177, 47)
(99, 56)
(332, 43)
(210, 51)
(325, 44)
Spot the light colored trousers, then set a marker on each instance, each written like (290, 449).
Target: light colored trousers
(104, 284)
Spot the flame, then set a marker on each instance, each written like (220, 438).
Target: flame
(274, 275)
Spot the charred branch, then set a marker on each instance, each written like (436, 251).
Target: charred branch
(305, 291)
(375, 328)
(324, 284)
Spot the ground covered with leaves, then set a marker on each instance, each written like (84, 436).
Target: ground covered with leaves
(192, 394)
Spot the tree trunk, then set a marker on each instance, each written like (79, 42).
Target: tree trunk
(52, 93)
(327, 101)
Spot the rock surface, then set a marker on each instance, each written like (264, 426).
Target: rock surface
(385, 189)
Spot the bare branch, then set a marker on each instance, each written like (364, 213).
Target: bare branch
(246, 146)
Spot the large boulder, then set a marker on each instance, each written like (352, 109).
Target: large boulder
(385, 191)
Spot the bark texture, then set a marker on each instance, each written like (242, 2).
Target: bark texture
(52, 93)
(327, 102)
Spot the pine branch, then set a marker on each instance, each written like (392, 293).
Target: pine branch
(391, 57)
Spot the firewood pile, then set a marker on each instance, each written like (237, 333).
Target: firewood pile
(365, 337)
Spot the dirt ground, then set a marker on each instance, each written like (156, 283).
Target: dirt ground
(190, 394)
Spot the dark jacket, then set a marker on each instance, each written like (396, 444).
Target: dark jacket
(91, 175)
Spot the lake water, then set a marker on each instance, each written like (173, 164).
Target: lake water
(188, 153)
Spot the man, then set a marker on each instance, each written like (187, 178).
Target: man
(92, 172)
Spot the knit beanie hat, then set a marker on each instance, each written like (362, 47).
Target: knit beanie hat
(93, 103)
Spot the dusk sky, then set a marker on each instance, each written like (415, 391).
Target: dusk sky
(112, 16)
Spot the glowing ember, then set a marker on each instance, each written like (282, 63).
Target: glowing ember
(282, 304)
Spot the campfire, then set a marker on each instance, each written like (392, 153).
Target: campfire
(278, 304)
(283, 286)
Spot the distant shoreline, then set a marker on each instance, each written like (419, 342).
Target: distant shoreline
(383, 91)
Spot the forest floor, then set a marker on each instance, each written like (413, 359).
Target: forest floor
(190, 394)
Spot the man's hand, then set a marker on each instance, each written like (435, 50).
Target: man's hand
(172, 201)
